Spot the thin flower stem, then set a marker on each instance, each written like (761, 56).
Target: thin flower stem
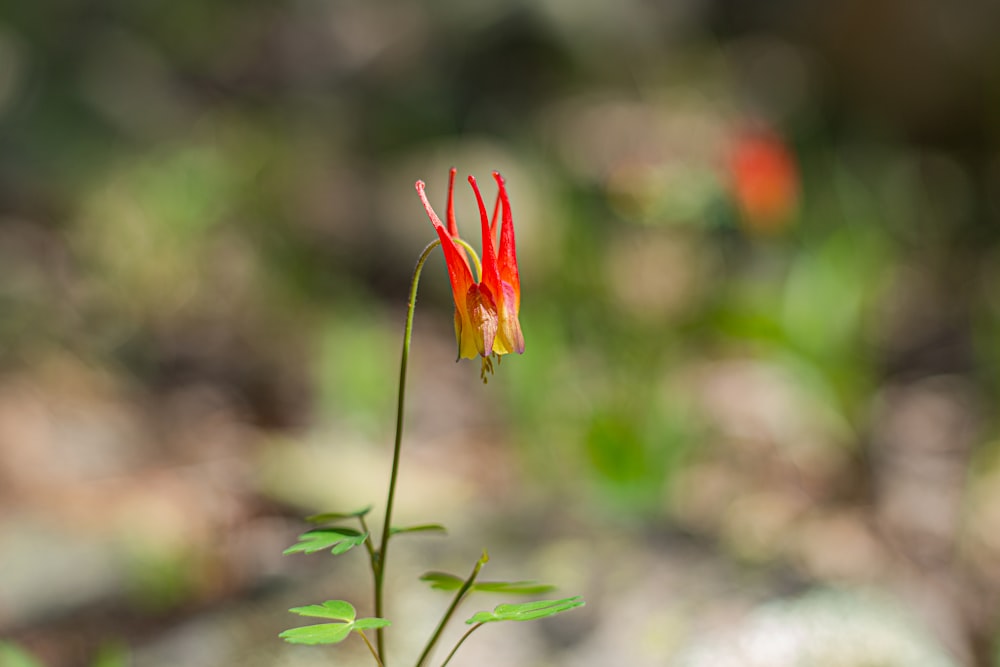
(378, 563)
(459, 596)
(372, 648)
(460, 642)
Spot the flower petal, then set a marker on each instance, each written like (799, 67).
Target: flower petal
(491, 276)
(450, 213)
(484, 319)
(465, 335)
(496, 217)
(509, 337)
(458, 266)
(507, 259)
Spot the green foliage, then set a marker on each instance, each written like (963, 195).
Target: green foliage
(114, 654)
(422, 528)
(527, 611)
(636, 447)
(353, 370)
(330, 633)
(334, 609)
(338, 540)
(157, 579)
(616, 449)
(13, 656)
(327, 517)
(442, 581)
(323, 633)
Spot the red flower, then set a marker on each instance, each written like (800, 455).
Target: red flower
(765, 181)
(486, 309)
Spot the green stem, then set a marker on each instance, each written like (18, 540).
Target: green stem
(372, 648)
(451, 609)
(460, 642)
(379, 562)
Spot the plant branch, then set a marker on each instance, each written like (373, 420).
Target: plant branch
(372, 648)
(451, 609)
(460, 642)
(379, 560)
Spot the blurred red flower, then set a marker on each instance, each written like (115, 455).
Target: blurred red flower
(765, 181)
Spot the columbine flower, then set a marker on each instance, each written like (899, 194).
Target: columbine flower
(486, 323)
(765, 181)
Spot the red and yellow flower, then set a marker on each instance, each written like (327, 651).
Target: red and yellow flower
(486, 308)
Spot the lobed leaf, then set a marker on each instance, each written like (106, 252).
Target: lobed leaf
(513, 587)
(368, 623)
(335, 609)
(324, 633)
(442, 581)
(329, 633)
(422, 528)
(527, 611)
(338, 540)
(327, 517)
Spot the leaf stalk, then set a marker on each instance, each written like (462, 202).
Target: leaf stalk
(459, 596)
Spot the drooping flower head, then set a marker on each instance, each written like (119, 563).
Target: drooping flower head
(487, 305)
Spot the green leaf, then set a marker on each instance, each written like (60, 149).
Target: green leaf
(513, 587)
(340, 539)
(327, 517)
(334, 609)
(442, 581)
(527, 611)
(367, 623)
(324, 633)
(329, 633)
(13, 656)
(422, 528)
(112, 654)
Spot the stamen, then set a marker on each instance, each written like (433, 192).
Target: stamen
(486, 367)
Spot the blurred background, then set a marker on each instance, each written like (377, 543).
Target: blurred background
(759, 247)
